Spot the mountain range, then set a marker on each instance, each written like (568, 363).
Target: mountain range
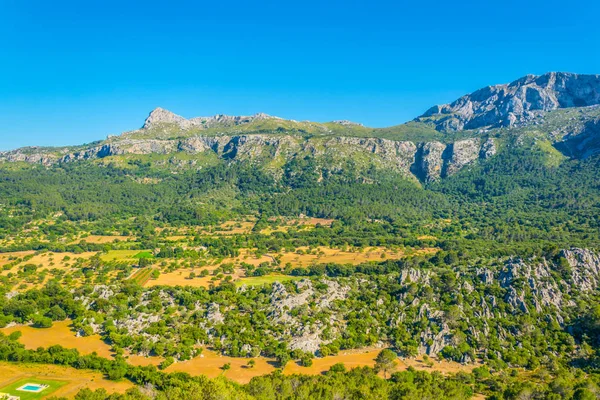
(556, 112)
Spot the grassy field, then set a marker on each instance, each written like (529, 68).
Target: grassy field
(266, 279)
(121, 255)
(11, 389)
(141, 276)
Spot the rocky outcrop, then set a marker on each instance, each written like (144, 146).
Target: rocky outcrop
(429, 164)
(435, 160)
(462, 152)
(488, 149)
(139, 146)
(31, 155)
(585, 265)
(518, 103)
(583, 142)
(345, 122)
(159, 117)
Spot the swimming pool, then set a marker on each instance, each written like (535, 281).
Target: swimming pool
(32, 387)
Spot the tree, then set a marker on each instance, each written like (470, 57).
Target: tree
(385, 361)
(166, 362)
(56, 313)
(338, 367)
(251, 364)
(226, 367)
(40, 321)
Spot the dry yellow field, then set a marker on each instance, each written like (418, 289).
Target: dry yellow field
(46, 261)
(180, 277)
(6, 258)
(77, 379)
(176, 238)
(323, 255)
(426, 237)
(60, 333)
(232, 228)
(328, 255)
(301, 223)
(210, 364)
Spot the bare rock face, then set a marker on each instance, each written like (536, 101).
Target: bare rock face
(432, 343)
(488, 149)
(581, 143)
(586, 267)
(214, 314)
(463, 152)
(431, 163)
(517, 103)
(435, 160)
(399, 153)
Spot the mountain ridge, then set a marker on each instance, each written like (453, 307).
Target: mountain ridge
(555, 108)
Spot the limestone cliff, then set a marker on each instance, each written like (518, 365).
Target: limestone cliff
(427, 161)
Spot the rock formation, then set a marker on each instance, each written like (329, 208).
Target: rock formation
(516, 103)
(428, 161)
(160, 117)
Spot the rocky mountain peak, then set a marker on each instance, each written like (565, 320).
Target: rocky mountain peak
(517, 103)
(161, 116)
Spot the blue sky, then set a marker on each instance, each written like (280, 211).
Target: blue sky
(74, 71)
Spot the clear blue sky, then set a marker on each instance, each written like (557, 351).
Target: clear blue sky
(74, 71)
